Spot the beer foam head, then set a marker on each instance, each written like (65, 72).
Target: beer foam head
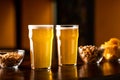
(64, 27)
(59, 27)
(39, 26)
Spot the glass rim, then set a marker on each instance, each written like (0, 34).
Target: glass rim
(67, 26)
(39, 26)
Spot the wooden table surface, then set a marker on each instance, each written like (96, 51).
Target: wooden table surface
(103, 71)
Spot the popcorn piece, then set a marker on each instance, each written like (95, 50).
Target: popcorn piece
(112, 49)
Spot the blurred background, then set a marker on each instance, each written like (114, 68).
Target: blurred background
(98, 20)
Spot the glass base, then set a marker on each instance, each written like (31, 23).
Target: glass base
(67, 64)
(41, 68)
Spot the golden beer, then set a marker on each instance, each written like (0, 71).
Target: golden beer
(41, 40)
(67, 39)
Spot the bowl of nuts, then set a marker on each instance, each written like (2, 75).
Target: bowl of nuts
(11, 58)
(91, 54)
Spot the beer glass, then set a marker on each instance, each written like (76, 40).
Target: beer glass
(41, 40)
(67, 43)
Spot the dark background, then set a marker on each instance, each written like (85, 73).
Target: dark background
(25, 12)
(80, 12)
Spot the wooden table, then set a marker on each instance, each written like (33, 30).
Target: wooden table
(103, 71)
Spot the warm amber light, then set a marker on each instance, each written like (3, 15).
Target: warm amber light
(108, 56)
(107, 68)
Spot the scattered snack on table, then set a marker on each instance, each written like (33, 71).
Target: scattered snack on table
(111, 49)
(90, 54)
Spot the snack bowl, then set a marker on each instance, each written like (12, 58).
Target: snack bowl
(91, 54)
(11, 58)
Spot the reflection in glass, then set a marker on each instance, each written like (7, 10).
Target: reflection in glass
(67, 72)
(41, 74)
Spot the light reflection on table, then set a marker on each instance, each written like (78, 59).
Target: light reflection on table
(104, 70)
